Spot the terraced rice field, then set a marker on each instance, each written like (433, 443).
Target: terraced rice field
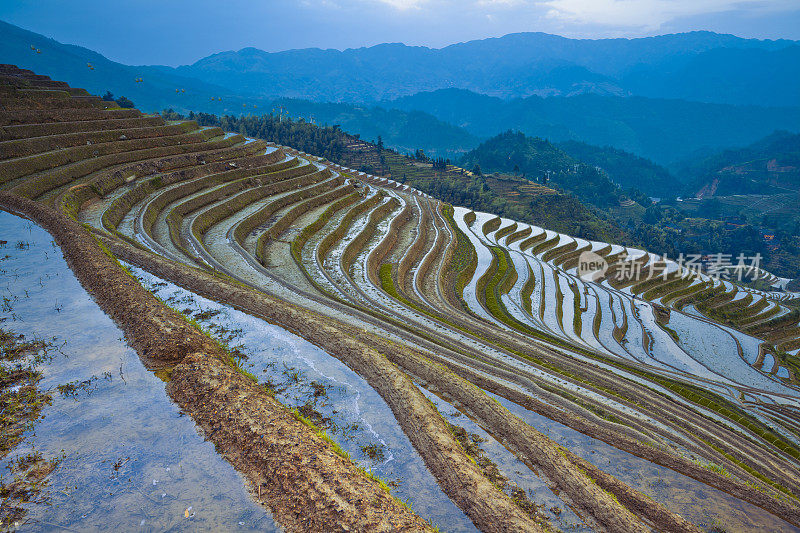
(682, 374)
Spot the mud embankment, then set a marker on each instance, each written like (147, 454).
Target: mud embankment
(305, 484)
(590, 490)
(679, 464)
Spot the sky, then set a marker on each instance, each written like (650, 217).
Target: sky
(176, 32)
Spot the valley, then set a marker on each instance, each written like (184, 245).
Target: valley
(436, 316)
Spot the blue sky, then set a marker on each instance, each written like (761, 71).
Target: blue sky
(174, 32)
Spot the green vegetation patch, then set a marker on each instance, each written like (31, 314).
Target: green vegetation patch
(530, 241)
(527, 291)
(511, 228)
(518, 235)
(491, 225)
(464, 260)
(21, 403)
(497, 281)
(308, 231)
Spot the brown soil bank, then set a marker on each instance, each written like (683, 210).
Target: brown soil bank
(306, 485)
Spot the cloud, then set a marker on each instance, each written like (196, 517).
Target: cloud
(403, 5)
(649, 15)
(501, 3)
(438, 23)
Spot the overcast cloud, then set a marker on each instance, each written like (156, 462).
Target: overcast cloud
(176, 32)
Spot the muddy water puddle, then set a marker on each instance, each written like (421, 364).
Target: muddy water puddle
(328, 393)
(127, 458)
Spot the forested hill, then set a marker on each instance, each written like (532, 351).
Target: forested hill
(771, 164)
(625, 169)
(514, 152)
(540, 161)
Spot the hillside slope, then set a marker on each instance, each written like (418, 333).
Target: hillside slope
(769, 165)
(624, 168)
(542, 162)
(412, 293)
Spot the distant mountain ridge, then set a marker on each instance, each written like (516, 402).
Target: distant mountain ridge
(702, 66)
(160, 88)
(450, 122)
(659, 129)
(92, 71)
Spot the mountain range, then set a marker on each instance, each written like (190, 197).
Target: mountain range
(701, 66)
(643, 96)
(663, 130)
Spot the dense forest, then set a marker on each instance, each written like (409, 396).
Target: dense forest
(541, 161)
(624, 168)
(328, 142)
(514, 151)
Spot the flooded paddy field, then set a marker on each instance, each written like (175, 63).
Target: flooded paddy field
(325, 391)
(679, 388)
(697, 502)
(127, 458)
(517, 475)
